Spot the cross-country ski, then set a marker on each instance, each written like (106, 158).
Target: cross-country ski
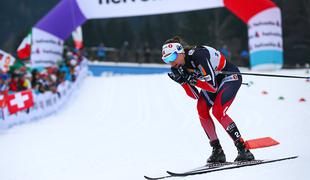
(209, 168)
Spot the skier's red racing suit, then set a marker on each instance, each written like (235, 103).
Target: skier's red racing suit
(217, 90)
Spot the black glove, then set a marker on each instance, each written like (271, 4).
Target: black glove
(176, 76)
(197, 74)
(192, 80)
(181, 76)
(189, 78)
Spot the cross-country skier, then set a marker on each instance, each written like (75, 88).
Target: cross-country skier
(199, 66)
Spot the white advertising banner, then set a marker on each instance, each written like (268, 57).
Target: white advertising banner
(6, 60)
(46, 49)
(265, 40)
(123, 8)
(265, 33)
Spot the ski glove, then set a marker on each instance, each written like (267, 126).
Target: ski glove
(177, 78)
(181, 76)
(189, 78)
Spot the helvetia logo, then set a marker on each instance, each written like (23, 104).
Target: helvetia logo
(101, 2)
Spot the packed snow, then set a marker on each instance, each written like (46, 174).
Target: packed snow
(125, 127)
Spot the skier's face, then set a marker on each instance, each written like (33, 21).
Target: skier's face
(180, 61)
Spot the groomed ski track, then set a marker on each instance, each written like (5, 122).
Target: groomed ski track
(125, 127)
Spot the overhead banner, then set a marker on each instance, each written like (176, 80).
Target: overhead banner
(62, 20)
(67, 15)
(46, 49)
(124, 8)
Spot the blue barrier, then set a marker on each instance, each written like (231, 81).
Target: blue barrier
(98, 70)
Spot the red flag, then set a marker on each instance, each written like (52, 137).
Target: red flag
(19, 101)
(78, 38)
(24, 49)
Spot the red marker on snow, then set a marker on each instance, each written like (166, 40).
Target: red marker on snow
(260, 143)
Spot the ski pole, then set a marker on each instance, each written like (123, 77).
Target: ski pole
(267, 75)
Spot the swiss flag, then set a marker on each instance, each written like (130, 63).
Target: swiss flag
(19, 101)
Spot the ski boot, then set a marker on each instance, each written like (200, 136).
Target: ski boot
(217, 155)
(244, 154)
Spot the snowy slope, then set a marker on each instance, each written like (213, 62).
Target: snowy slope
(124, 127)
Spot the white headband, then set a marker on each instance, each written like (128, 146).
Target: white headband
(170, 48)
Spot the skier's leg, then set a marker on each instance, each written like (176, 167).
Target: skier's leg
(222, 102)
(205, 118)
(209, 127)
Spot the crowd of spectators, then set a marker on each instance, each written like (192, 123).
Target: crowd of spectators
(21, 77)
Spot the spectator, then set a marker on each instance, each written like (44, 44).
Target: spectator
(35, 80)
(72, 64)
(3, 82)
(124, 51)
(53, 89)
(43, 82)
(61, 77)
(225, 51)
(53, 74)
(14, 83)
(137, 54)
(245, 58)
(146, 52)
(101, 52)
(66, 70)
(69, 55)
(24, 82)
(41, 87)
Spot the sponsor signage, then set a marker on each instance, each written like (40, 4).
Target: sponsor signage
(265, 33)
(46, 49)
(121, 8)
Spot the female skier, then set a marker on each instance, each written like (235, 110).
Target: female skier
(199, 66)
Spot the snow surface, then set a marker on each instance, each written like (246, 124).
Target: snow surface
(124, 127)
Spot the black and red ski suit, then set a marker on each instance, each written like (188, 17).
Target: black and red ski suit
(217, 90)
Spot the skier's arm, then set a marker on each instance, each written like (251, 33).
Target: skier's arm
(180, 78)
(206, 86)
(191, 91)
(206, 70)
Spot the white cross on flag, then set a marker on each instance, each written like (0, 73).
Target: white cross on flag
(19, 101)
